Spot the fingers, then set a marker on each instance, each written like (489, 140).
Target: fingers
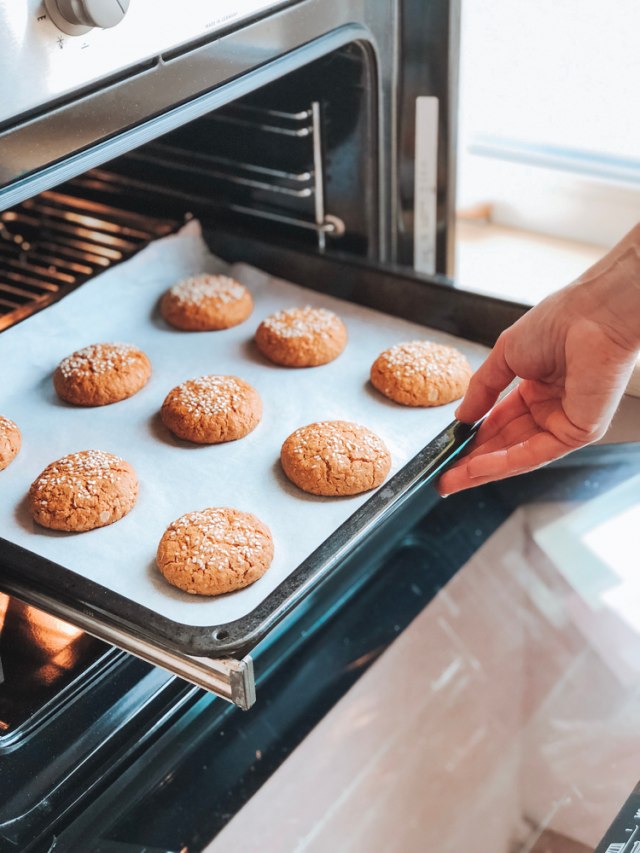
(457, 480)
(508, 423)
(511, 413)
(462, 484)
(533, 452)
(522, 429)
(486, 384)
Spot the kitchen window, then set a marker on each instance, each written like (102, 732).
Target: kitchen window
(549, 138)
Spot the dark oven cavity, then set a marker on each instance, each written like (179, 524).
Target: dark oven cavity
(295, 160)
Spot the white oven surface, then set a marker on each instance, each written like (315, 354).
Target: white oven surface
(39, 62)
(177, 477)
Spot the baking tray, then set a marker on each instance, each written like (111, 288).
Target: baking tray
(109, 574)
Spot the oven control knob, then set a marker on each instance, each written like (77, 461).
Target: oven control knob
(76, 17)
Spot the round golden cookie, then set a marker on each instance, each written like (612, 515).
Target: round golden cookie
(214, 551)
(206, 303)
(421, 373)
(10, 442)
(335, 458)
(212, 409)
(82, 491)
(101, 374)
(302, 337)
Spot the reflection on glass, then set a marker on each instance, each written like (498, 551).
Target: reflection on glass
(39, 656)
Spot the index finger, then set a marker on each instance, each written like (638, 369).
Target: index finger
(486, 384)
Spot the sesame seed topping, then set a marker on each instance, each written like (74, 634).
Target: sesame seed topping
(301, 322)
(98, 359)
(212, 535)
(331, 439)
(86, 474)
(209, 396)
(199, 289)
(335, 458)
(421, 358)
(6, 424)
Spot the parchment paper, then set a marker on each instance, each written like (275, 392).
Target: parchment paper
(176, 477)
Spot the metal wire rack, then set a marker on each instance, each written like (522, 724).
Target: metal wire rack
(52, 243)
(258, 163)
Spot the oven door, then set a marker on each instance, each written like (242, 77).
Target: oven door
(455, 685)
(342, 63)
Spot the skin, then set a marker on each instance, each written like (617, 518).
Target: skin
(573, 354)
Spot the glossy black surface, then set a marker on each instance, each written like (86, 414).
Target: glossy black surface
(216, 757)
(40, 659)
(623, 835)
(258, 154)
(77, 743)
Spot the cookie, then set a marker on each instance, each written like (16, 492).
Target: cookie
(421, 373)
(83, 491)
(206, 303)
(101, 374)
(10, 442)
(335, 458)
(214, 551)
(212, 409)
(302, 337)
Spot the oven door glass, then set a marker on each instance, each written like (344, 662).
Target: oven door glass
(481, 688)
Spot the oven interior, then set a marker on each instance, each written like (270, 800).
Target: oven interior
(295, 161)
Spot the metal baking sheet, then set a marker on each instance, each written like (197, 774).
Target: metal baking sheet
(175, 476)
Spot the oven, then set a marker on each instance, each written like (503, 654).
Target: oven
(314, 140)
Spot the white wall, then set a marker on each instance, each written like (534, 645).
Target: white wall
(550, 114)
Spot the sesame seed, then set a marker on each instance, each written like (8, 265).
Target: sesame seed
(301, 322)
(199, 289)
(98, 359)
(421, 358)
(208, 396)
(85, 474)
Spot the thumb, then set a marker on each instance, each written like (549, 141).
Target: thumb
(491, 378)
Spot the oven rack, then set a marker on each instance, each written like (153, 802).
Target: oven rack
(54, 242)
(270, 166)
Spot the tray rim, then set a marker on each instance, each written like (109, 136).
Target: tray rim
(235, 638)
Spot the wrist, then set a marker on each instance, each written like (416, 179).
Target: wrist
(612, 287)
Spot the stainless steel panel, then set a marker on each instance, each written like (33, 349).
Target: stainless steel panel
(40, 63)
(104, 124)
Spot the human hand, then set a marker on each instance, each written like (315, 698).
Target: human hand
(574, 353)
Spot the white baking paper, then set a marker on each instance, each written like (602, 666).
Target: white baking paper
(176, 477)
